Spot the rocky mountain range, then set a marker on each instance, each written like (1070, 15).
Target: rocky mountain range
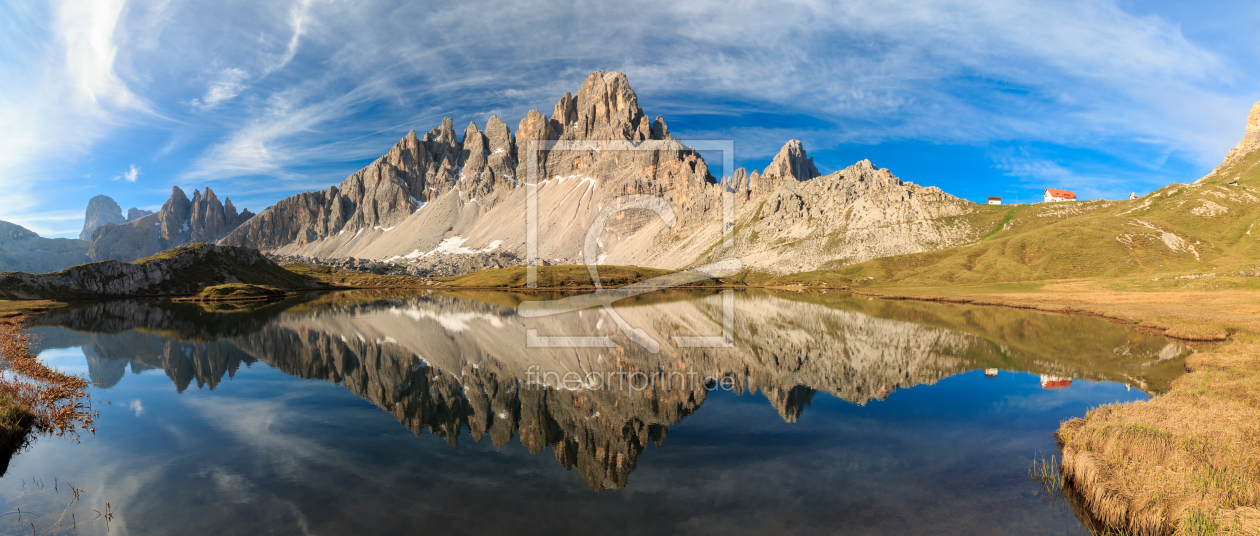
(180, 221)
(23, 250)
(439, 194)
(446, 199)
(103, 210)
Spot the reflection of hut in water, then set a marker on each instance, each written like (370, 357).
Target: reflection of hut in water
(990, 373)
(1055, 382)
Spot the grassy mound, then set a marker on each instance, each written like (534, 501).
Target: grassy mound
(220, 264)
(238, 292)
(184, 270)
(16, 421)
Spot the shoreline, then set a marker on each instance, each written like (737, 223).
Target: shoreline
(1182, 462)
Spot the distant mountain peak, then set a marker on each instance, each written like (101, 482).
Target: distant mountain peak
(101, 210)
(180, 221)
(793, 162)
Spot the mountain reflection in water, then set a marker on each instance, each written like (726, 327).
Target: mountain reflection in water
(447, 363)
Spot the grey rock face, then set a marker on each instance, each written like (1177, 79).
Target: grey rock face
(534, 127)
(174, 217)
(850, 216)
(22, 250)
(472, 162)
(501, 161)
(659, 130)
(233, 219)
(134, 213)
(413, 172)
(101, 210)
(180, 221)
(792, 162)
(207, 218)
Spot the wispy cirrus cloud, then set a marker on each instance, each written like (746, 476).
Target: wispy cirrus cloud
(940, 70)
(226, 85)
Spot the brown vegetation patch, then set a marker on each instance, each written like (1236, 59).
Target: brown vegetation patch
(1187, 462)
(1196, 332)
(341, 278)
(58, 402)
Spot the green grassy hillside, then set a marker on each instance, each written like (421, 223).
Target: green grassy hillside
(1207, 227)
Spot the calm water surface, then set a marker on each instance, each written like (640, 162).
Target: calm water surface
(380, 413)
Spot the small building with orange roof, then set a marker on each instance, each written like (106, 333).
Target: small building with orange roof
(1055, 382)
(1054, 196)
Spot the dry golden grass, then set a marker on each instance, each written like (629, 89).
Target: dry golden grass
(58, 401)
(1185, 463)
(340, 278)
(10, 308)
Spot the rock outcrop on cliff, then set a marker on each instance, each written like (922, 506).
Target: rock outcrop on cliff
(856, 214)
(23, 250)
(180, 221)
(442, 194)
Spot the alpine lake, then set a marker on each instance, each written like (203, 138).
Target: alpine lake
(697, 412)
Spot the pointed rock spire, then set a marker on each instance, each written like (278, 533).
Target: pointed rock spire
(606, 109)
(207, 220)
(174, 216)
(1251, 139)
(502, 152)
(792, 162)
(659, 130)
(472, 157)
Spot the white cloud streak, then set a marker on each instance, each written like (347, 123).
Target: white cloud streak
(227, 84)
(130, 175)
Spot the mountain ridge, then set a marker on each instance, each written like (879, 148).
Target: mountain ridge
(400, 207)
(180, 221)
(23, 250)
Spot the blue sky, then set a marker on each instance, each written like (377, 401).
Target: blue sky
(259, 100)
